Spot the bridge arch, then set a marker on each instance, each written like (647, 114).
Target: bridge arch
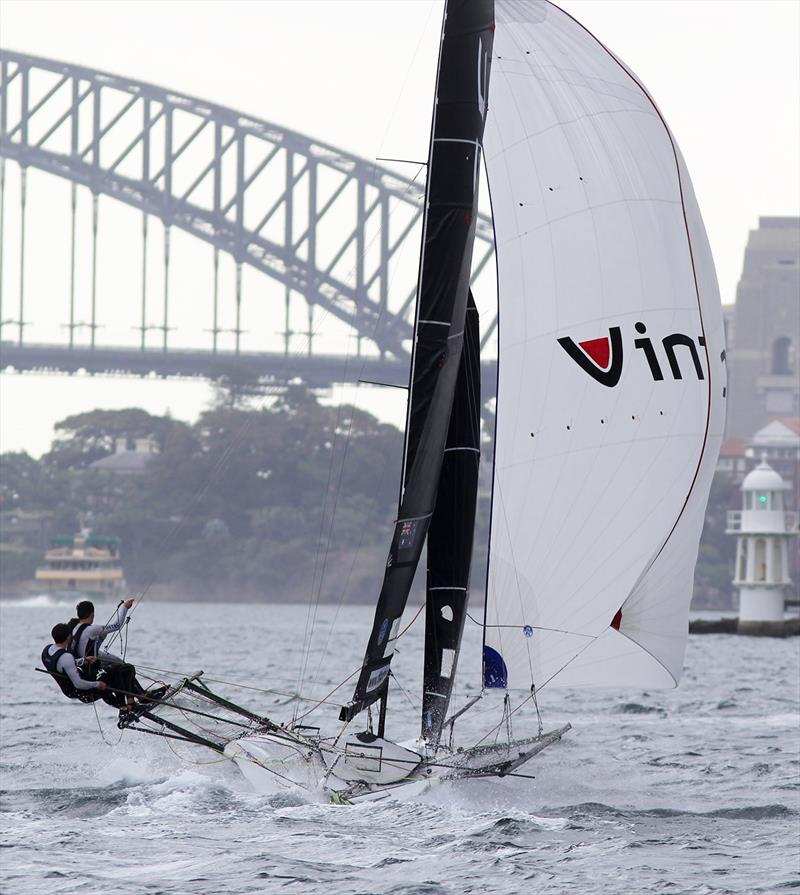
(269, 197)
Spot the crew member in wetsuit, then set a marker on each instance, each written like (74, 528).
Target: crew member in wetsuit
(85, 641)
(61, 664)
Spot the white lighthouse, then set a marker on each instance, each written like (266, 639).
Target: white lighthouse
(764, 529)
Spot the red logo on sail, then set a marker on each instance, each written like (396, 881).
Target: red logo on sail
(599, 350)
(600, 358)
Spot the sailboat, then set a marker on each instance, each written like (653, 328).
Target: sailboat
(609, 410)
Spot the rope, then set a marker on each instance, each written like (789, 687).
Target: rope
(321, 701)
(100, 728)
(213, 680)
(405, 692)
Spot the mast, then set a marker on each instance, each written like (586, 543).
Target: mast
(442, 294)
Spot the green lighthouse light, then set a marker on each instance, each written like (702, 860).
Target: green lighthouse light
(763, 498)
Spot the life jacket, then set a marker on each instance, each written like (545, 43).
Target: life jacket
(50, 663)
(66, 686)
(75, 641)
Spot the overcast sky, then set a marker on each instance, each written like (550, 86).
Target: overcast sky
(359, 75)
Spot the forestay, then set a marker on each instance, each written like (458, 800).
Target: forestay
(611, 382)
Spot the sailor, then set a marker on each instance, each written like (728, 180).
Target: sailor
(85, 642)
(61, 664)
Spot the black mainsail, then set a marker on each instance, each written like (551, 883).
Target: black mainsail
(442, 296)
(451, 535)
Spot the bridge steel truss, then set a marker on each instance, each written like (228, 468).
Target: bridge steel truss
(204, 169)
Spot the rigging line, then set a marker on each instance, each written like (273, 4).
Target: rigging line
(240, 434)
(346, 450)
(347, 443)
(501, 722)
(182, 674)
(516, 575)
(321, 701)
(535, 628)
(411, 65)
(100, 728)
(315, 593)
(177, 755)
(405, 692)
(416, 616)
(309, 634)
(222, 461)
(536, 706)
(403, 161)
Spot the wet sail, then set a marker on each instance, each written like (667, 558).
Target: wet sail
(611, 387)
(448, 233)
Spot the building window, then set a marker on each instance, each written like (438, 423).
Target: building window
(782, 360)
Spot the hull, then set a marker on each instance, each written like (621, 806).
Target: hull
(359, 771)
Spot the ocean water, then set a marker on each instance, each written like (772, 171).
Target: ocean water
(694, 790)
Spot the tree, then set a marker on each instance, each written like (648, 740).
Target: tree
(86, 437)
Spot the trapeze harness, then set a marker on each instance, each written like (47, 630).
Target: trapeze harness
(66, 686)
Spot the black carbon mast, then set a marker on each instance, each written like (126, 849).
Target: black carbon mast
(448, 234)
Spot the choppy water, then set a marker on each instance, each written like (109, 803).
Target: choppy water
(688, 791)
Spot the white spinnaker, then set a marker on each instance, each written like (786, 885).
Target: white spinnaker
(599, 490)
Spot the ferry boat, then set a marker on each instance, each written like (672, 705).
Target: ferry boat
(86, 564)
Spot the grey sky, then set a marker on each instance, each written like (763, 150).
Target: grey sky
(359, 75)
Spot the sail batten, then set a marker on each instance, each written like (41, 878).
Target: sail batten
(610, 395)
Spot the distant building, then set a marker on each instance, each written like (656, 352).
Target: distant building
(778, 442)
(763, 329)
(125, 461)
(733, 458)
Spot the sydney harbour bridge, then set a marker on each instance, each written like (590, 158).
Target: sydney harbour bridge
(324, 226)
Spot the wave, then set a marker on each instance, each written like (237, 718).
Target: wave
(636, 708)
(746, 812)
(38, 601)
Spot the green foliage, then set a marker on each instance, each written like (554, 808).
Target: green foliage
(87, 437)
(714, 570)
(245, 501)
(256, 503)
